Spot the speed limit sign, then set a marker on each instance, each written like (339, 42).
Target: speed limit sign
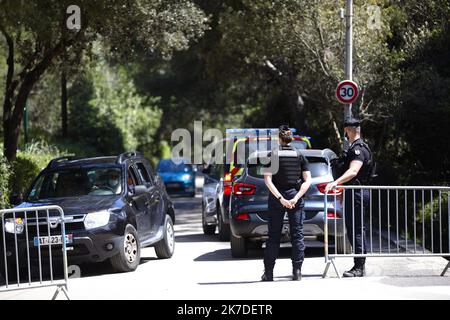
(347, 91)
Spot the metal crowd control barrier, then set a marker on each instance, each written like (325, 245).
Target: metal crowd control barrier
(394, 221)
(32, 249)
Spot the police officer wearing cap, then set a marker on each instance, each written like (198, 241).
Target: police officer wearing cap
(287, 186)
(357, 161)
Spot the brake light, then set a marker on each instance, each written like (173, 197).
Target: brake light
(242, 216)
(321, 187)
(244, 189)
(333, 215)
(227, 178)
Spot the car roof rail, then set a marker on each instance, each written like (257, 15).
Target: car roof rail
(122, 157)
(54, 162)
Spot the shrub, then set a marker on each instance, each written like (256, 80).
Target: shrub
(28, 164)
(5, 173)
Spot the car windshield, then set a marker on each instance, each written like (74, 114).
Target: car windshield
(171, 166)
(317, 166)
(76, 182)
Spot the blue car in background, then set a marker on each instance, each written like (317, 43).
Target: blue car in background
(178, 176)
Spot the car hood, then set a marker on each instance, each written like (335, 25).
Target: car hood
(79, 205)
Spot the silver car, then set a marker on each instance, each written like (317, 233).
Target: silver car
(210, 199)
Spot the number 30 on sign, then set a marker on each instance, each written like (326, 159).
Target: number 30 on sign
(347, 91)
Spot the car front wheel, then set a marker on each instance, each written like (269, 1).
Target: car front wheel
(207, 229)
(129, 255)
(166, 246)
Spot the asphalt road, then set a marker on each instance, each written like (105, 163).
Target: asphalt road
(202, 268)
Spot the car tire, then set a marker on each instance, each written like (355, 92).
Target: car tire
(207, 229)
(130, 254)
(239, 247)
(166, 246)
(224, 229)
(257, 245)
(341, 244)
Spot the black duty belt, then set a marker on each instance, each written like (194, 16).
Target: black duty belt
(287, 187)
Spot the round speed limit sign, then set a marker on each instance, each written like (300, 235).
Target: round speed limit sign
(347, 91)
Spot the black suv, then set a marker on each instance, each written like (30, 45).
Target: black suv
(114, 206)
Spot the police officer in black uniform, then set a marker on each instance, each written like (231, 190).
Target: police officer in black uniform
(287, 186)
(357, 162)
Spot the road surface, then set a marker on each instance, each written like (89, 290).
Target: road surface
(202, 268)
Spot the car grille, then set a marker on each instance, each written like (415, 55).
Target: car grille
(74, 222)
(43, 229)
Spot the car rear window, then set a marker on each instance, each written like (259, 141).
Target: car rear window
(246, 148)
(317, 166)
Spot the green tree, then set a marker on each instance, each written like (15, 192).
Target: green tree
(36, 36)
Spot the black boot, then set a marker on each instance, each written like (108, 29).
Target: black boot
(296, 274)
(356, 271)
(267, 275)
(297, 271)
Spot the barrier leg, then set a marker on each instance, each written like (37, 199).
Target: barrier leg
(324, 275)
(58, 290)
(445, 270)
(335, 268)
(331, 261)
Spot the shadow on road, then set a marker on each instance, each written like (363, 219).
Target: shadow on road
(275, 279)
(105, 268)
(198, 237)
(225, 254)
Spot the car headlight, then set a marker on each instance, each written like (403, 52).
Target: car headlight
(96, 219)
(186, 177)
(9, 225)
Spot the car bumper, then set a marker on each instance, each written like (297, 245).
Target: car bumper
(95, 245)
(313, 226)
(180, 187)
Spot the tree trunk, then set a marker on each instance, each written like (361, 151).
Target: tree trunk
(12, 118)
(64, 104)
(11, 140)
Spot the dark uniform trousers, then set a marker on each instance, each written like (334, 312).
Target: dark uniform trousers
(355, 220)
(275, 225)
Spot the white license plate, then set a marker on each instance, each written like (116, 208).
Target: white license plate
(52, 240)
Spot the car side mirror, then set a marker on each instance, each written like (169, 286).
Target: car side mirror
(140, 190)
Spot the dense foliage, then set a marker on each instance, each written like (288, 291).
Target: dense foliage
(138, 70)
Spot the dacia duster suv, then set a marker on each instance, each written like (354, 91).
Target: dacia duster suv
(113, 207)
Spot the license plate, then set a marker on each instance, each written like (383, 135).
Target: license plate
(52, 240)
(173, 185)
